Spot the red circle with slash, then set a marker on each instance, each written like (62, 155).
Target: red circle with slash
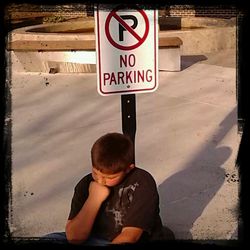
(113, 14)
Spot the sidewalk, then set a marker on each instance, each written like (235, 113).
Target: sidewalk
(186, 137)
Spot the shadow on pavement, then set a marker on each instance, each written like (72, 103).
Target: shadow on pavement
(185, 195)
(187, 61)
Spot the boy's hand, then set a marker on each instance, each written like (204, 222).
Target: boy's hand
(98, 192)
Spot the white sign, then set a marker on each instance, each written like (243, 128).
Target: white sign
(126, 50)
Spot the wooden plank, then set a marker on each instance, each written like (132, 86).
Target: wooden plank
(21, 45)
(170, 42)
(51, 45)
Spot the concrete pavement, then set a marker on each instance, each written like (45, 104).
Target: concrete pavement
(186, 137)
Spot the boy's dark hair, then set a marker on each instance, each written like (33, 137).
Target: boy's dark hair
(112, 153)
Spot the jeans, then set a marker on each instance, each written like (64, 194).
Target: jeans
(60, 238)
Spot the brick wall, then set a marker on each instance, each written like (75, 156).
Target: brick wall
(80, 10)
(220, 12)
(199, 11)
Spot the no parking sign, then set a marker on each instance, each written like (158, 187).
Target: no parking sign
(127, 50)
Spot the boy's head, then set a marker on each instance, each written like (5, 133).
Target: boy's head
(112, 154)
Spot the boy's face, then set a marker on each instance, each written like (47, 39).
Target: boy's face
(109, 180)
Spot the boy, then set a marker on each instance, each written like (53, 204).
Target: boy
(118, 202)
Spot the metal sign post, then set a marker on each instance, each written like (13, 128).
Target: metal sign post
(127, 56)
(128, 107)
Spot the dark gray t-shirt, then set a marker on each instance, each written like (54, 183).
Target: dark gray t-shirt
(132, 203)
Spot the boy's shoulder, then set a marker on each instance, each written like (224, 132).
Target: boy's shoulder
(84, 181)
(141, 171)
(142, 174)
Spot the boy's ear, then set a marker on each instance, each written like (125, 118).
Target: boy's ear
(130, 167)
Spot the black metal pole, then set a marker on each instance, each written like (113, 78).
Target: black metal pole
(128, 108)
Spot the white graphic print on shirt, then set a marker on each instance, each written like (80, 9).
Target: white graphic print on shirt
(126, 195)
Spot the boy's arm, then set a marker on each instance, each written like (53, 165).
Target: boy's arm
(128, 235)
(78, 229)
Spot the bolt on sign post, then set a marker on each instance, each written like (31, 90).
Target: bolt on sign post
(127, 55)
